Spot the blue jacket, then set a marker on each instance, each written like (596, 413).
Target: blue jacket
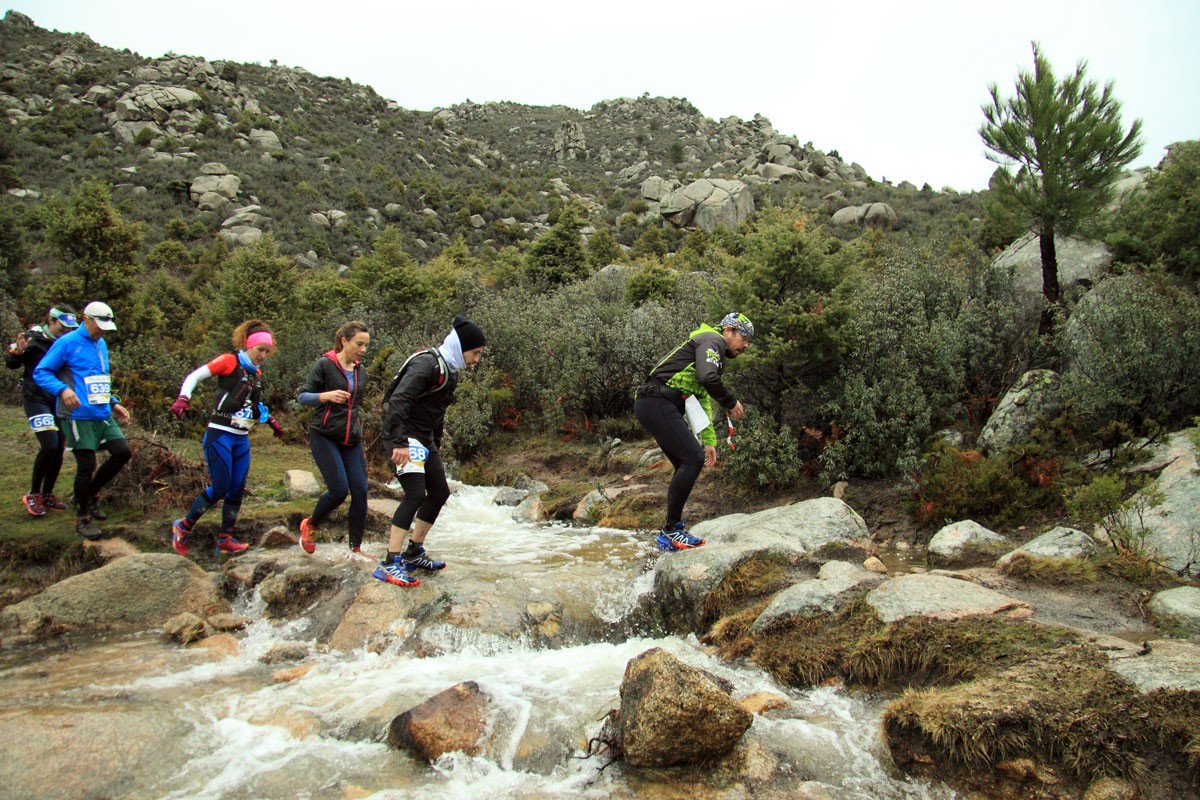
(78, 361)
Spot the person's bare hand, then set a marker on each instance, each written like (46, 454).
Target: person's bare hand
(710, 456)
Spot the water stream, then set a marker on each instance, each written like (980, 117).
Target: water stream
(226, 729)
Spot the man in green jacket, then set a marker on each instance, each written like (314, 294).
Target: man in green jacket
(674, 405)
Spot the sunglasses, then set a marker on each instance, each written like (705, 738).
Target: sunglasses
(99, 318)
(70, 320)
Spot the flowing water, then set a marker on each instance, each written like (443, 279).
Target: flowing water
(209, 726)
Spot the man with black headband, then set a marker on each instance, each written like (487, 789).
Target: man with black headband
(25, 353)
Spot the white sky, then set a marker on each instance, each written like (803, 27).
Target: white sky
(895, 86)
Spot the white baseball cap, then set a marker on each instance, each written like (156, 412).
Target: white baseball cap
(102, 314)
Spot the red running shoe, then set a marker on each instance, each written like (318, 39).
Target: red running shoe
(52, 503)
(227, 544)
(33, 504)
(308, 535)
(179, 537)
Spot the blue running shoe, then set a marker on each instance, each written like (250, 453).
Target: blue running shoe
(676, 537)
(395, 573)
(422, 561)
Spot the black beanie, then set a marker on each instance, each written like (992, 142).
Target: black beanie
(470, 335)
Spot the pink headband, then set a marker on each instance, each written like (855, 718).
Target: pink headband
(261, 337)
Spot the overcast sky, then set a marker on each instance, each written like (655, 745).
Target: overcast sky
(894, 86)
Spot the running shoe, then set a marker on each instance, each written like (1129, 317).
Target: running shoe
(395, 573)
(179, 537)
(33, 504)
(94, 510)
(87, 529)
(676, 537)
(227, 544)
(421, 560)
(308, 535)
(52, 503)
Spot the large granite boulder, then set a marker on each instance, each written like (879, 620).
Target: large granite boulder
(136, 592)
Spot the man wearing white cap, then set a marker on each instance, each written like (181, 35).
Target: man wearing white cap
(76, 371)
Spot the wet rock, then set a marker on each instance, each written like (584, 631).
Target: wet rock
(762, 702)
(964, 542)
(1178, 607)
(937, 596)
(379, 613)
(453, 720)
(744, 545)
(227, 622)
(508, 496)
(816, 597)
(137, 592)
(1056, 544)
(94, 749)
(297, 588)
(278, 537)
(672, 713)
(185, 628)
(285, 651)
(1162, 664)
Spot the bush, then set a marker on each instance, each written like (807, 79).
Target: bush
(953, 485)
(766, 456)
(1130, 349)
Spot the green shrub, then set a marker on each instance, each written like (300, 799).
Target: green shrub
(766, 456)
(1131, 349)
(1117, 504)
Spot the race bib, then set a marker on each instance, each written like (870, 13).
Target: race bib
(417, 455)
(42, 422)
(242, 420)
(99, 389)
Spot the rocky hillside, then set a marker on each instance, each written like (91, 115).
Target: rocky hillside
(197, 147)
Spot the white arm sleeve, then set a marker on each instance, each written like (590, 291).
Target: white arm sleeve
(189, 383)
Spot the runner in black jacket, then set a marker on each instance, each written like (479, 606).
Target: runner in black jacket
(335, 385)
(690, 374)
(25, 353)
(412, 427)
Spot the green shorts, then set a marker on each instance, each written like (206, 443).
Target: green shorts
(90, 434)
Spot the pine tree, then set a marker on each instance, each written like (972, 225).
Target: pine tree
(1067, 143)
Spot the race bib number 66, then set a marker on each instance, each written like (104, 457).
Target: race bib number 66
(42, 422)
(99, 389)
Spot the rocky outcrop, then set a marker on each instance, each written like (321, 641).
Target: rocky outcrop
(137, 592)
(687, 585)
(672, 713)
(870, 215)
(1170, 531)
(708, 204)
(570, 144)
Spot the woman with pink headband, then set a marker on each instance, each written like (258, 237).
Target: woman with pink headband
(237, 408)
